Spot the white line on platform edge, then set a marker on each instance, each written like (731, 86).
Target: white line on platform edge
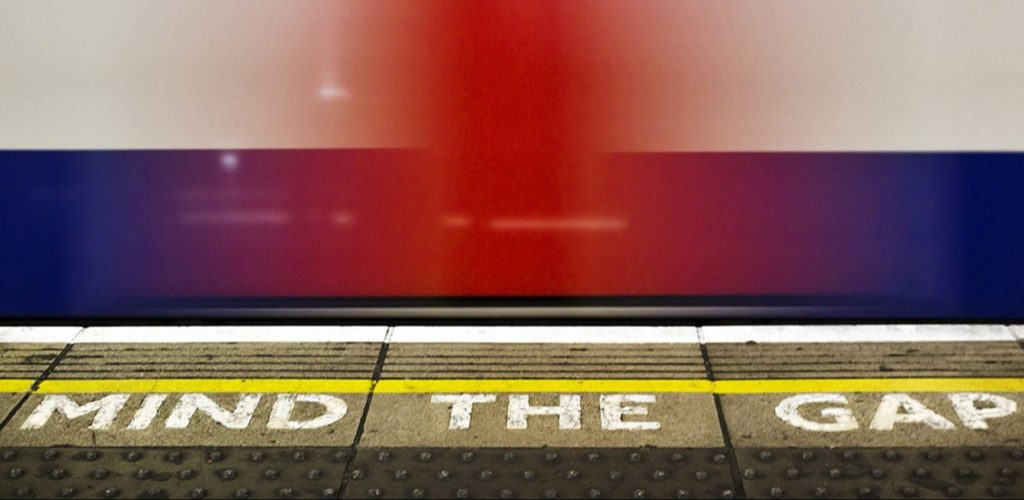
(807, 334)
(1018, 331)
(518, 334)
(198, 334)
(38, 334)
(546, 334)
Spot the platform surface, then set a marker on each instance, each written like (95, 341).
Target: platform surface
(868, 411)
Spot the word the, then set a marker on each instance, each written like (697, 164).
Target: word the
(568, 410)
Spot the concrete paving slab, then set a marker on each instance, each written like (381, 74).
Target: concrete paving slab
(440, 420)
(874, 420)
(186, 419)
(177, 394)
(8, 401)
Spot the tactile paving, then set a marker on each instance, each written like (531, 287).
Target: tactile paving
(540, 473)
(883, 473)
(880, 359)
(634, 361)
(219, 360)
(27, 361)
(156, 473)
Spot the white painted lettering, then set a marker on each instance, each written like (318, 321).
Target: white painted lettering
(842, 419)
(568, 411)
(612, 410)
(461, 407)
(106, 409)
(147, 412)
(973, 417)
(281, 413)
(187, 406)
(901, 408)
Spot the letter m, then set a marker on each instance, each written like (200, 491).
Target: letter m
(106, 410)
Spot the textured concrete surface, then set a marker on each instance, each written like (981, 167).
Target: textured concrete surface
(685, 420)
(7, 403)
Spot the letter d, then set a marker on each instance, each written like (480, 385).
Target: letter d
(281, 413)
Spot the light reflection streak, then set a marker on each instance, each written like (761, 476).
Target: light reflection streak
(343, 219)
(229, 162)
(236, 217)
(457, 220)
(332, 93)
(560, 224)
(249, 193)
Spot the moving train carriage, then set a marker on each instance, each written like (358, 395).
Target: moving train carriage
(385, 249)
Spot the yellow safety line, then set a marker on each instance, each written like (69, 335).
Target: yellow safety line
(15, 385)
(542, 385)
(870, 385)
(705, 386)
(425, 386)
(206, 385)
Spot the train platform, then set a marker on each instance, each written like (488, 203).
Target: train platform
(867, 411)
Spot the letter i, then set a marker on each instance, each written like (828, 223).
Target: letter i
(147, 412)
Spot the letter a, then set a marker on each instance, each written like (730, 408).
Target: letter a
(901, 408)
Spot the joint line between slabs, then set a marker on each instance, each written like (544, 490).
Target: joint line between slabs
(374, 379)
(730, 451)
(35, 386)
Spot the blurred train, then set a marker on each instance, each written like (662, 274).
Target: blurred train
(613, 159)
(354, 232)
